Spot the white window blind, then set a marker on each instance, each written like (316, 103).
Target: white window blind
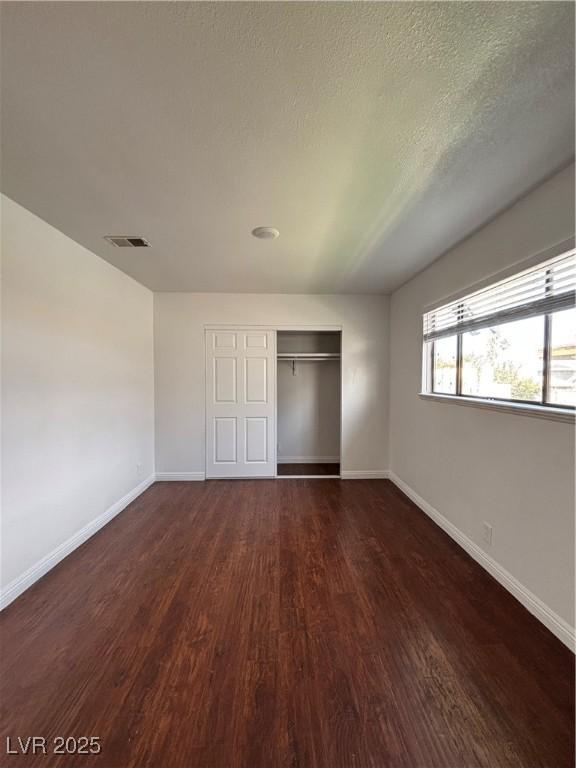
(545, 288)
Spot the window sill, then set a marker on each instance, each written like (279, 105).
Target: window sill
(535, 411)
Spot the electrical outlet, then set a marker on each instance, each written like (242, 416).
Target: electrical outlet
(139, 468)
(487, 533)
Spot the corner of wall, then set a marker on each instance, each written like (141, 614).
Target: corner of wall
(388, 436)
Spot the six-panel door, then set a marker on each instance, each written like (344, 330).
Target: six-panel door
(240, 403)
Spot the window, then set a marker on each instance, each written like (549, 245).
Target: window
(445, 365)
(504, 361)
(562, 365)
(514, 341)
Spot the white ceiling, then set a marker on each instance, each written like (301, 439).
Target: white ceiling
(372, 135)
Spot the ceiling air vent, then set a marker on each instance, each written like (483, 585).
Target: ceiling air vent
(127, 241)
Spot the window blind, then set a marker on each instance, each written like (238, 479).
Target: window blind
(547, 287)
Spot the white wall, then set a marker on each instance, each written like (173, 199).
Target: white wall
(179, 320)
(309, 410)
(77, 389)
(472, 465)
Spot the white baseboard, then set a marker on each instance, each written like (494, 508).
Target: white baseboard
(15, 588)
(180, 476)
(308, 459)
(364, 474)
(555, 623)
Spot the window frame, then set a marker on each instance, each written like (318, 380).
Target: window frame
(540, 407)
(546, 372)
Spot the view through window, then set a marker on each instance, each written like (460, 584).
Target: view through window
(513, 341)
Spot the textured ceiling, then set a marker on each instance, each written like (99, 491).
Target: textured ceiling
(372, 135)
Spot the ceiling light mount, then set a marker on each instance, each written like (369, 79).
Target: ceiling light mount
(265, 233)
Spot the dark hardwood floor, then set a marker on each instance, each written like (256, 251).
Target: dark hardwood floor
(308, 469)
(259, 624)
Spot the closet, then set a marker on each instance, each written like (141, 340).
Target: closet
(272, 402)
(308, 403)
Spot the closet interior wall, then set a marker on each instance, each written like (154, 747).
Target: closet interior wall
(308, 402)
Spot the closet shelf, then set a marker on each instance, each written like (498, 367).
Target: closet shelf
(308, 356)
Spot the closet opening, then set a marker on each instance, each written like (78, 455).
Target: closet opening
(308, 403)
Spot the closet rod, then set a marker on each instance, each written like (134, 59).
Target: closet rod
(308, 356)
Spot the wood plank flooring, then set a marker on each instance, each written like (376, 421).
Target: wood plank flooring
(264, 624)
(308, 469)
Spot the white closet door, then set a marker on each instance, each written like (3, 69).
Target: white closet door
(240, 403)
